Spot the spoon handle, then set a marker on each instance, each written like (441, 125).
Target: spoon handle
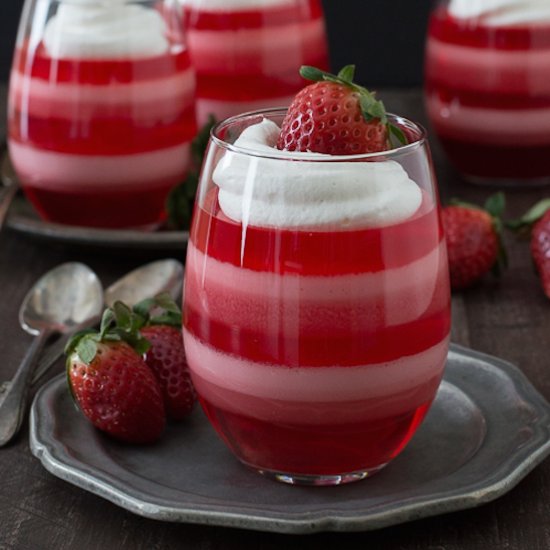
(54, 352)
(6, 197)
(14, 401)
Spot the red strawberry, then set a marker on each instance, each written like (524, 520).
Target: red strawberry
(336, 116)
(111, 383)
(166, 356)
(538, 220)
(473, 240)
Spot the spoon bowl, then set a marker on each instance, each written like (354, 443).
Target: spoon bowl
(56, 303)
(147, 281)
(62, 300)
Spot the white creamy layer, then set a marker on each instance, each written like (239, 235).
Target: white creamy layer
(280, 192)
(234, 5)
(273, 303)
(314, 384)
(65, 171)
(86, 29)
(502, 12)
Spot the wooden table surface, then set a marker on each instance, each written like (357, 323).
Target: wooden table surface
(509, 319)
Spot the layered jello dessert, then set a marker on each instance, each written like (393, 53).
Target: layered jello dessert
(101, 111)
(247, 52)
(488, 87)
(316, 301)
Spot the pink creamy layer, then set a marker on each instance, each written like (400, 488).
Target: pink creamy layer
(508, 127)
(315, 395)
(267, 50)
(489, 70)
(268, 302)
(145, 100)
(60, 171)
(222, 108)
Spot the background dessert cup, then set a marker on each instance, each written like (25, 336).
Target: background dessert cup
(101, 110)
(316, 301)
(247, 52)
(488, 88)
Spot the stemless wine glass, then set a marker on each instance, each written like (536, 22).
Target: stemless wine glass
(316, 309)
(488, 88)
(247, 53)
(101, 109)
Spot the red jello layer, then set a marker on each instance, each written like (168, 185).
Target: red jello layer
(116, 134)
(297, 11)
(474, 33)
(494, 161)
(329, 449)
(38, 64)
(347, 346)
(315, 252)
(118, 208)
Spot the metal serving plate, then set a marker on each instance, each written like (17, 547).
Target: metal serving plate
(487, 429)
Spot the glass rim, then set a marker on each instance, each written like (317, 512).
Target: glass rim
(300, 156)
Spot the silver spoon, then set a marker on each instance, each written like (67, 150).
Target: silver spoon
(9, 190)
(143, 282)
(64, 298)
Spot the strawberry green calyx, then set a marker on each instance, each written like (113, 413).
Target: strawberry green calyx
(533, 215)
(159, 310)
(494, 206)
(371, 107)
(118, 324)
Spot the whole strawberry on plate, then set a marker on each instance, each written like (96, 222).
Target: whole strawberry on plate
(110, 381)
(537, 221)
(161, 326)
(474, 243)
(336, 116)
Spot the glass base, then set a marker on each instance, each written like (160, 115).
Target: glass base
(314, 480)
(508, 183)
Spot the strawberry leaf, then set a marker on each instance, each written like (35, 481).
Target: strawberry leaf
(495, 205)
(313, 73)
(530, 217)
(123, 316)
(86, 349)
(397, 133)
(347, 73)
(170, 313)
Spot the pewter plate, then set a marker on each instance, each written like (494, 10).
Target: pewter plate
(487, 429)
(23, 219)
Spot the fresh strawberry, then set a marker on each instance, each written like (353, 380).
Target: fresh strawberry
(474, 243)
(166, 356)
(110, 381)
(336, 116)
(537, 220)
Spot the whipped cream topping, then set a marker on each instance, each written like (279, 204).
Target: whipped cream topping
(501, 12)
(86, 29)
(280, 192)
(233, 5)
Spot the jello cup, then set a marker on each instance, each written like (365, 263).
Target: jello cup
(101, 110)
(488, 88)
(247, 53)
(316, 306)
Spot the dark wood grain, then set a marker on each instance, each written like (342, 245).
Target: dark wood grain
(510, 319)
